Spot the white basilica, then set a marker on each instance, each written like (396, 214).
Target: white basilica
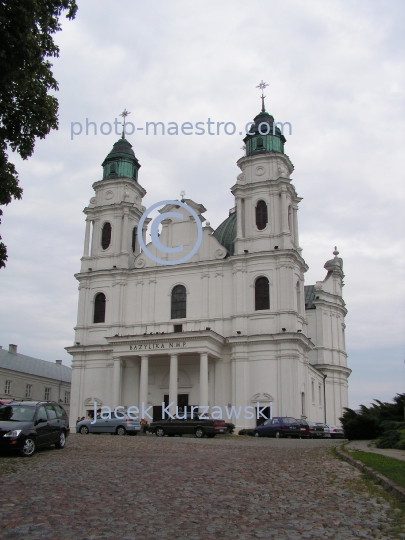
(234, 326)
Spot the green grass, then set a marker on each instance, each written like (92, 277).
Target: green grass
(391, 468)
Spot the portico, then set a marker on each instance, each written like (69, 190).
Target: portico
(164, 366)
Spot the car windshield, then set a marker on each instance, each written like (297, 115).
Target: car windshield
(288, 420)
(16, 413)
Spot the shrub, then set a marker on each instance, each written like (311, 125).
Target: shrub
(231, 427)
(250, 432)
(381, 421)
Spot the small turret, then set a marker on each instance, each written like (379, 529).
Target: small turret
(121, 162)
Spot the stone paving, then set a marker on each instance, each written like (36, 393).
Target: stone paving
(190, 489)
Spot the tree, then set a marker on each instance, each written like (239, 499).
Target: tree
(27, 111)
(378, 420)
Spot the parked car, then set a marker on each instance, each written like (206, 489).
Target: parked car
(304, 428)
(279, 426)
(316, 431)
(336, 432)
(120, 424)
(198, 426)
(28, 425)
(326, 430)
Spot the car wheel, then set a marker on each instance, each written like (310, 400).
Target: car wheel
(84, 430)
(29, 447)
(199, 433)
(211, 436)
(62, 440)
(160, 432)
(121, 430)
(277, 435)
(257, 434)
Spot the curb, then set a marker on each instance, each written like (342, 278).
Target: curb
(387, 484)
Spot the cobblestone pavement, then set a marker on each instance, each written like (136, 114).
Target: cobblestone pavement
(187, 488)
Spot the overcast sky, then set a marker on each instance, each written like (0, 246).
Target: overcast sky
(335, 71)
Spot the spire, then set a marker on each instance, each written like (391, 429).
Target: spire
(262, 85)
(124, 114)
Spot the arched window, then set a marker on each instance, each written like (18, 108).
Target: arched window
(179, 300)
(262, 293)
(106, 235)
(261, 215)
(99, 308)
(259, 143)
(134, 231)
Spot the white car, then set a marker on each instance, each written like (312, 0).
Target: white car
(326, 430)
(336, 432)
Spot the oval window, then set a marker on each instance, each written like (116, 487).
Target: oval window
(261, 215)
(106, 235)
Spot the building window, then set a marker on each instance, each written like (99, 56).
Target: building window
(320, 395)
(178, 328)
(313, 391)
(47, 394)
(261, 215)
(28, 390)
(7, 389)
(298, 291)
(262, 293)
(99, 308)
(134, 232)
(259, 143)
(302, 403)
(179, 300)
(106, 235)
(289, 218)
(67, 398)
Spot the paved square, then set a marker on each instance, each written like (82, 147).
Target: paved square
(186, 488)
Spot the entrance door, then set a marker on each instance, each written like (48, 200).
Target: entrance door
(261, 420)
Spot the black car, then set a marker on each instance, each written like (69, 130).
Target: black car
(316, 431)
(28, 425)
(200, 426)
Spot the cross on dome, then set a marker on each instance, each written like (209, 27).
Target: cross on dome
(124, 114)
(262, 85)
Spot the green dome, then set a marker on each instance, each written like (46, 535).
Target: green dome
(256, 143)
(121, 162)
(226, 232)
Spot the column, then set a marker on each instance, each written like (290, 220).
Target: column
(143, 383)
(295, 221)
(124, 245)
(284, 215)
(239, 233)
(87, 238)
(203, 379)
(116, 394)
(173, 383)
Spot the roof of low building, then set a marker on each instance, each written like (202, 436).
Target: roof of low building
(34, 366)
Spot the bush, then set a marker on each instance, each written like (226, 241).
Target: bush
(250, 432)
(381, 421)
(231, 427)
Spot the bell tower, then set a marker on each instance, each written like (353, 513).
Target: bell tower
(114, 212)
(266, 202)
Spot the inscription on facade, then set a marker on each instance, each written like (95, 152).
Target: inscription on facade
(151, 346)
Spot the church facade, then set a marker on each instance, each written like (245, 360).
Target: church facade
(233, 327)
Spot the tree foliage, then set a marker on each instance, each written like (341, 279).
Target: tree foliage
(379, 421)
(27, 111)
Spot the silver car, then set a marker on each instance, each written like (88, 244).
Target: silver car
(120, 425)
(336, 432)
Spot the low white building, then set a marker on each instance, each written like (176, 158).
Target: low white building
(233, 326)
(24, 377)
